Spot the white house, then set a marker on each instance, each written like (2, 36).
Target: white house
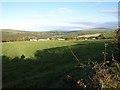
(44, 39)
(61, 39)
(33, 39)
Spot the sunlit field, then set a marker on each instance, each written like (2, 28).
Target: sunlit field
(27, 48)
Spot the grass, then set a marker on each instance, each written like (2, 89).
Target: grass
(108, 34)
(28, 49)
(52, 61)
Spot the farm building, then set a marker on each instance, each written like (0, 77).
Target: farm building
(33, 39)
(44, 39)
(61, 39)
(41, 39)
(90, 36)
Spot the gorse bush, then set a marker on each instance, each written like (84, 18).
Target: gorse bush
(105, 74)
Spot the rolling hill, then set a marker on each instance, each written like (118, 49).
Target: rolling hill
(20, 35)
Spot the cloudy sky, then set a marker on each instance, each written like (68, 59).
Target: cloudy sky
(45, 16)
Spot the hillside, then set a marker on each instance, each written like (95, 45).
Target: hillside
(19, 35)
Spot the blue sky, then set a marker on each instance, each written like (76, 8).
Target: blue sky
(44, 16)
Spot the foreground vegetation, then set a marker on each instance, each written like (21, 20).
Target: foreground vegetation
(102, 75)
(50, 66)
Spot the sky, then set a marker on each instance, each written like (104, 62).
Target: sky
(46, 16)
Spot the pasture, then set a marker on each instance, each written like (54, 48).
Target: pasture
(27, 48)
(48, 62)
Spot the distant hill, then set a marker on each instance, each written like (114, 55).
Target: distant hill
(11, 35)
(19, 35)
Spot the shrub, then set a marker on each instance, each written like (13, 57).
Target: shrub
(103, 75)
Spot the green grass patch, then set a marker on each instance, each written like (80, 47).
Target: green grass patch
(27, 48)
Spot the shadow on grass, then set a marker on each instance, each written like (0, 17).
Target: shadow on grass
(49, 67)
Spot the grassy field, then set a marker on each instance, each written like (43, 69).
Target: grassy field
(28, 49)
(52, 61)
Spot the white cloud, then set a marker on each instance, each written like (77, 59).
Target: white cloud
(65, 26)
(65, 10)
(59, 24)
(20, 25)
(109, 11)
(44, 26)
(43, 16)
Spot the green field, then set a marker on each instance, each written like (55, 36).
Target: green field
(28, 49)
(47, 62)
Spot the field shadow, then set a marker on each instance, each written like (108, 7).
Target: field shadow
(49, 67)
(62, 54)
